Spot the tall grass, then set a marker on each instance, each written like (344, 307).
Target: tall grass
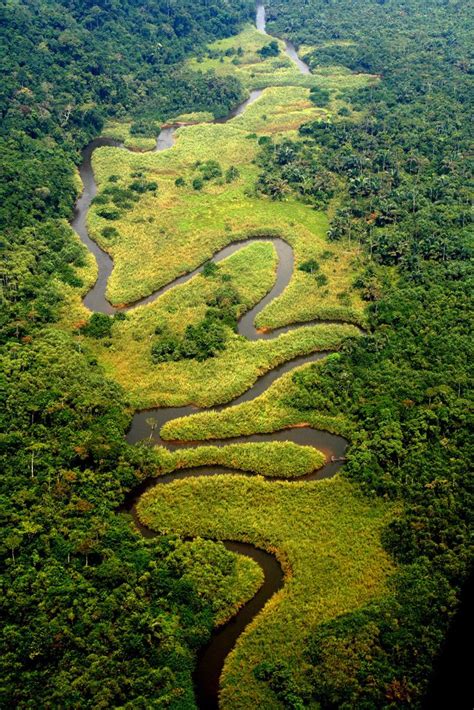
(326, 536)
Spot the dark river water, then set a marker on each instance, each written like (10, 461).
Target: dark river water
(212, 657)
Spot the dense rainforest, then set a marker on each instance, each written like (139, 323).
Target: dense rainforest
(405, 179)
(81, 593)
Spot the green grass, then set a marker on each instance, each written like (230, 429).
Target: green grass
(192, 225)
(171, 233)
(326, 537)
(127, 355)
(256, 73)
(218, 379)
(121, 131)
(266, 413)
(282, 459)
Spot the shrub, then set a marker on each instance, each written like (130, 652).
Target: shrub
(210, 169)
(269, 50)
(309, 267)
(198, 183)
(210, 269)
(109, 214)
(141, 186)
(319, 97)
(100, 199)
(200, 341)
(231, 174)
(109, 232)
(204, 340)
(165, 349)
(98, 326)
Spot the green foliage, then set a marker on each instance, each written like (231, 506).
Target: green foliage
(166, 348)
(199, 342)
(218, 577)
(141, 186)
(384, 636)
(82, 594)
(110, 214)
(309, 267)
(109, 232)
(328, 540)
(148, 129)
(69, 560)
(280, 679)
(93, 615)
(231, 174)
(210, 269)
(293, 166)
(320, 97)
(401, 176)
(98, 326)
(269, 50)
(203, 340)
(210, 169)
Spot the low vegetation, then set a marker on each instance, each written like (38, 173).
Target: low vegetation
(242, 56)
(124, 133)
(327, 538)
(164, 377)
(280, 459)
(207, 186)
(273, 410)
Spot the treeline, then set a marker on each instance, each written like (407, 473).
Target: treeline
(401, 179)
(93, 615)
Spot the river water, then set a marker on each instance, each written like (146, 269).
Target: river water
(212, 657)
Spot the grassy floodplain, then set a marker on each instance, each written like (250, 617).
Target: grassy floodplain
(127, 354)
(171, 232)
(150, 250)
(326, 537)
(266, 413)
(275, 71)
(120, 131)
(282, 459)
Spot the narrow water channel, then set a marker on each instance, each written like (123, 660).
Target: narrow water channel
(212, 657)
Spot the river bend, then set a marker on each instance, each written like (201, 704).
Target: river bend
(212, 657)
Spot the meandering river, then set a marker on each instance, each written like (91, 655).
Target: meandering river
(211, 659)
